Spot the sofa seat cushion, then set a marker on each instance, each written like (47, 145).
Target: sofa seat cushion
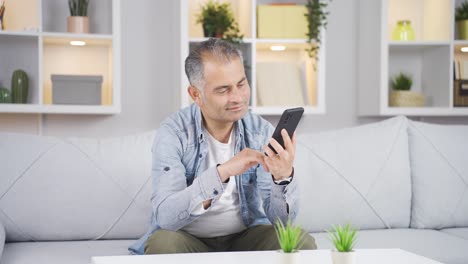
(70, 252)
(433, 244)
(458, 232)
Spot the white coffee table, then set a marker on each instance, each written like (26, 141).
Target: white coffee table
(364, 256)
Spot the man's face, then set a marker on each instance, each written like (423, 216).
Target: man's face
(225, 97)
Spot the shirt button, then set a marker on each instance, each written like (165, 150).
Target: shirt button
(200, 155)
(215, 192)
(166, 168)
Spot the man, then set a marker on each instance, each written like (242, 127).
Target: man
(214, 189)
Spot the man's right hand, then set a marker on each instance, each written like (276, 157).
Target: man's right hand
(240, 163)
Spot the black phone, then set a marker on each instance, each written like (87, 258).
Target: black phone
(289, 121)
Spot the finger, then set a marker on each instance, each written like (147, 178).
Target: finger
(260, 158)
(269, 151)
(276, 145)
(287, 140)
(294, 141)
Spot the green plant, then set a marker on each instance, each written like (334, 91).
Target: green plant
(343, 237)
(461, 12)
(316, 21)
(289, 237)
(19, 87)
(5, 95)
(218, 20)
(78, 7)
(402, 82)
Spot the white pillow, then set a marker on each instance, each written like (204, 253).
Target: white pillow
(439, 163)
(359, 175)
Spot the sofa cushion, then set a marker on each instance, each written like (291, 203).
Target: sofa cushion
(429, 243)
(458, 232)
(359, 175)
(439, 155)
(69, 252)
(75, 189)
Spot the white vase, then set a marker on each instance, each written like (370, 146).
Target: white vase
(287, 258)
(343, 257)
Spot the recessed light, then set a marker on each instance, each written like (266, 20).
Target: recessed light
(278, 48)
(77, 43)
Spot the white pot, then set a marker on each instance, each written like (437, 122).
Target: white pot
(343, 257)
(287, 258)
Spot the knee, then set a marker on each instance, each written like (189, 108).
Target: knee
(166, 242)
(308, 241)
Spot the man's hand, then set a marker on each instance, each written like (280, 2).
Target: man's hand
(240, 163)
(281, 164)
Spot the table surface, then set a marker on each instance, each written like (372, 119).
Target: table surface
(363, 256)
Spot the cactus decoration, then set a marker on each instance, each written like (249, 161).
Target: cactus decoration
(5, 96)
(19, 87)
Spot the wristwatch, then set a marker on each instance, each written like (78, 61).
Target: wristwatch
(284, 181)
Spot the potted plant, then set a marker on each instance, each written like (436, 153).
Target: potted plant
(461, 18)
(343, 239)
(316, 21)
(290, 238)
(78, 21)
(401, 94)
(218, 21)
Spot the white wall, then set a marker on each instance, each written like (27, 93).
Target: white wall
(150, 67)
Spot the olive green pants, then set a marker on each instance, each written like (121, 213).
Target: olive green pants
(262, 237)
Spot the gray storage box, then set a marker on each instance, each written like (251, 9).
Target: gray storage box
(76, 89)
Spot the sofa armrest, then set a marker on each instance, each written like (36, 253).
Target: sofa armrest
(2, 239)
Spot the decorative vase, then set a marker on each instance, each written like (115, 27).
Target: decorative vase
(288, 258)
(5, 96)
(78, 24)
(403, 31)
(406, 99)
(209, 34)
(343, 257)
(462, 27)
(19, 87)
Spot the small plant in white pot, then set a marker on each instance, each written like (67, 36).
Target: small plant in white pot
(78, 21)
(290, 238)
(401, 94)
(343, 239)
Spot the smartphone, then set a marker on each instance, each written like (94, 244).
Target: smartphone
(289, 120)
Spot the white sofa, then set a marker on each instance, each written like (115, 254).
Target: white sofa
(403, 183)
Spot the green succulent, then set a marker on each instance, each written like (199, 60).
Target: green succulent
(461, 11)
(402, 82)
(290, 237)
(343, 237)
(78, 7)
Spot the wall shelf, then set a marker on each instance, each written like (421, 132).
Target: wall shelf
(292, 71)
(37, 42)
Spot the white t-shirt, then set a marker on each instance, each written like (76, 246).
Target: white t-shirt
(223, 216)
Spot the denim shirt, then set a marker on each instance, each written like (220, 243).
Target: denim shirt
(181, 182)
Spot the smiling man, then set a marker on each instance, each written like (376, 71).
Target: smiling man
(214, 189)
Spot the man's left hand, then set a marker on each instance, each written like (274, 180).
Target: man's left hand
(281, 165)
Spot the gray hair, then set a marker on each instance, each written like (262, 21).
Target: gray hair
(213, 46)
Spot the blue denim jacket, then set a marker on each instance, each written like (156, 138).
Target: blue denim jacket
(181, 182)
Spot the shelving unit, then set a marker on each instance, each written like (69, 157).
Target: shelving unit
(429, 59)
(307, 89)
(36, 41)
